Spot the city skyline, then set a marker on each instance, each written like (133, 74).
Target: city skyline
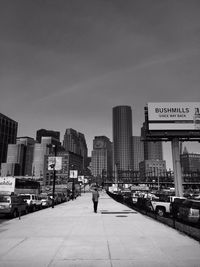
(65, 64)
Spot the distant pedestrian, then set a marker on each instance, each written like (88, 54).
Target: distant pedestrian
(95, 198)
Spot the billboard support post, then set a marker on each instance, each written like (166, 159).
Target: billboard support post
(177, 167)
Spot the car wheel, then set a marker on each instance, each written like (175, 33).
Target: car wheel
(160, 212)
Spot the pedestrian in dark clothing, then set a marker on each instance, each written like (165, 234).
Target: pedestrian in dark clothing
(95, 198)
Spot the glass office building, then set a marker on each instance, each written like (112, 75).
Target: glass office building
(122, 138)
(8, 135)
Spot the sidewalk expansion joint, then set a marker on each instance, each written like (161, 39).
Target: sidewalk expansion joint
(118, 212)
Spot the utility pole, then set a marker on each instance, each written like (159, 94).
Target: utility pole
(54, 176)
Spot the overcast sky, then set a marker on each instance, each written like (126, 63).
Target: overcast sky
(66, 63)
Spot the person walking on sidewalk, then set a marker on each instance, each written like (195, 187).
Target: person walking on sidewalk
(95, 198)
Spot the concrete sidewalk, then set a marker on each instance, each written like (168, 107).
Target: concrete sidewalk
(71, 234)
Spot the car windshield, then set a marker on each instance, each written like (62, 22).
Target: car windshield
(5, 199)
(25, 196)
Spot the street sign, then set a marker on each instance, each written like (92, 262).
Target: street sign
(54, 163)
(73, 174)
(81, 178)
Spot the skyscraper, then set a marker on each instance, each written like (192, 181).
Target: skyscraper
(40, 150)
(75, 142)
(102, 157)
(122, 138)
(71, 141)
(153, 150)
(47, 133)
(28, 142)
(138, 152)
(14, 165)
(8, 134)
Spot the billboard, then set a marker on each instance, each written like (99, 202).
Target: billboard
(174, 116)
(7, 184)
(54, 163)
(73, 174)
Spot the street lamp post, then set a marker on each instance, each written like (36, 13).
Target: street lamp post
(73, 185)
(73, 189)
(54, 181)
(53, 166)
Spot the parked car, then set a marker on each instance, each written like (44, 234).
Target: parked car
(144, 204)
(74, 194)
(162, 207)
(189, 211)
(63, 197)
(33, 201)
(69, 194)
(196, 196)
(135, 196)
(57, 198)
(12, 206)
(174, 206)
(46, 201)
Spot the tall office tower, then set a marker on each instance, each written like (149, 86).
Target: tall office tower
(75, 142)
(122, 138)
(48, 133)
(153, 150)
(101, 161)
(8, 135)
(83, 149)
(28, 143)
(40, 150)
(71, 141)
(14, 165)
(138, 152)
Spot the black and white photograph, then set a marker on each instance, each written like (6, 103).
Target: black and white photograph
(99, 133)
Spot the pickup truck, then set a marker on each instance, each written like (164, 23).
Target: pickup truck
(163, 207)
